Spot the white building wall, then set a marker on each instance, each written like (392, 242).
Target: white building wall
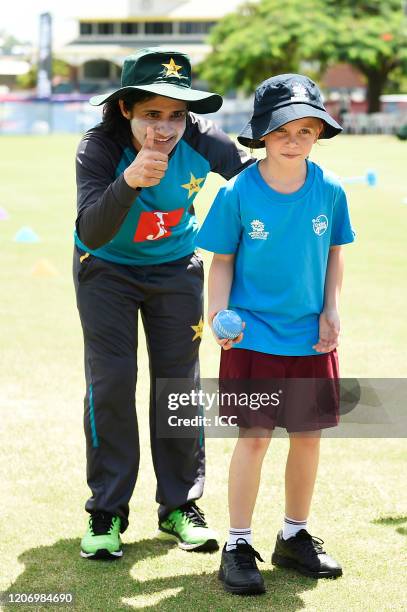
(159, 8)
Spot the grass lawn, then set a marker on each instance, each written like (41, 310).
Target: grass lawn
(360, 502)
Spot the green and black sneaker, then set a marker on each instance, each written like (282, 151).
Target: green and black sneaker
(187, 526)
(102, 539)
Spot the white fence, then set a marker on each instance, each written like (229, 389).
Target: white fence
(375, 123)
(31, 117)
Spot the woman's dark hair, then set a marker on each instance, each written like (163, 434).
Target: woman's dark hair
(113, 121)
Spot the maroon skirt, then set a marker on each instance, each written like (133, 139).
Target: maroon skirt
(261, 390)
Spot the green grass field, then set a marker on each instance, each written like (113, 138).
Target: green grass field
(360, 502)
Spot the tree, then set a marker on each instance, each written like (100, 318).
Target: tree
(29, 80)
(266, 37)
(261, 39)
(8, 42)
(372, 36)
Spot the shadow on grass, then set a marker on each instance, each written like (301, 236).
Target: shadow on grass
(394, 520)
(110, 586)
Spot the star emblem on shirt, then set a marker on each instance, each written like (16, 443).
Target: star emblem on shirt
(198, 329)
(194, 185)
(172, 68)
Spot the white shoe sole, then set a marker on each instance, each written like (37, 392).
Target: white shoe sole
(102, 554)
(210, 544)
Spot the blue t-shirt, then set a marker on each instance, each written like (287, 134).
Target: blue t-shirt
(281, 244)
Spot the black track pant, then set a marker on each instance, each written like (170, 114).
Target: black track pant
(109, 297)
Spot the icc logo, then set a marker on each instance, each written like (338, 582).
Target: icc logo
(320, 225)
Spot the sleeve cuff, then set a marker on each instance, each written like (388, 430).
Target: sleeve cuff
(348, 239)
(123, 193)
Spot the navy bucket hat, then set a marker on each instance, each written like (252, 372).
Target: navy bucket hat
(282, 99)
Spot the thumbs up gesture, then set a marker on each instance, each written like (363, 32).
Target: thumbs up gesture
(149, 139)
(149, 166)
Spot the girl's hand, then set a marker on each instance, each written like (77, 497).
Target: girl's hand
(329, 327)
(225, 343)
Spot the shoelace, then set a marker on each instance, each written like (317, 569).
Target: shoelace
(101, 522)
(194, 514)
(245, 555)
(312, 543)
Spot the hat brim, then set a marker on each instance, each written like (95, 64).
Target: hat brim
(198, 101)
(271, 121)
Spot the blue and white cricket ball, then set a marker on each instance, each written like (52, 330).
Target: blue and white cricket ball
(227, 324)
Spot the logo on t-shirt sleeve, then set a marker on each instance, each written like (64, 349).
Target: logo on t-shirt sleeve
(157, 224)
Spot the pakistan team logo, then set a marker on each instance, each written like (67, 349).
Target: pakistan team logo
(320, 225)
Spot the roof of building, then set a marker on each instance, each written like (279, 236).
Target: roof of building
(170, 9)
(13, 67)
(77, 54)
(208, 8)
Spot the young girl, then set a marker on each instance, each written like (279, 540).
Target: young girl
(276, 231)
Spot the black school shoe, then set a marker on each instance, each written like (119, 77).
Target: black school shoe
(305, 554)
(238, 570)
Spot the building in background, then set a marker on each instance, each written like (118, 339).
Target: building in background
(15, 61)
(11, 67)
(96, 55)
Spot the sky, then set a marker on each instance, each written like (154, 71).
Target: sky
(21, 18)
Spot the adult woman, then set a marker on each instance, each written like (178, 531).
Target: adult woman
(137, 175)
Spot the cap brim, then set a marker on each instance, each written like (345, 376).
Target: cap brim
(198, 101)
(268, 122)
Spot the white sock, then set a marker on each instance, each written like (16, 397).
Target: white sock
(236, 534)
(292, 527)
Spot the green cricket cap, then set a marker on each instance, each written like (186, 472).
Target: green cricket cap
(162, 72)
